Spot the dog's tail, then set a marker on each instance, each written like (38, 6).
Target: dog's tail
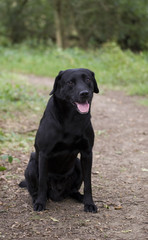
(23, 184)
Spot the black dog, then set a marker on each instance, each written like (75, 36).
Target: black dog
(65, 130)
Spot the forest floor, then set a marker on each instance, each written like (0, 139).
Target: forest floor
(119, 179)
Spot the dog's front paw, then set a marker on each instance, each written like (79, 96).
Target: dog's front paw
(90, 208)
(38, 206)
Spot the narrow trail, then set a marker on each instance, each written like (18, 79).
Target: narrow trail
(119, 179)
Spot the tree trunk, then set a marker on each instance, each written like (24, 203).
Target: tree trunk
(58, 22)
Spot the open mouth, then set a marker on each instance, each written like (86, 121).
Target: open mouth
(83, 108)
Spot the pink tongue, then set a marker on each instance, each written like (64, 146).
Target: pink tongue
(83, 107)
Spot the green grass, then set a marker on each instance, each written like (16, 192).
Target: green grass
(16, 94)
(144, 102)
(17, 98)
(11, 143)
(112, 66)
(12, 140)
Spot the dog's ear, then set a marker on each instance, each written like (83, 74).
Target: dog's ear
(58, 77)
(96, 89)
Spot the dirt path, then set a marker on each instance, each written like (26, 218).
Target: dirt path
(119, 176)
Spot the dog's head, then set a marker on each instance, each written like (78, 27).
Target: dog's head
(76, 86)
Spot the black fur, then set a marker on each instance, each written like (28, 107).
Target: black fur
(65, 130)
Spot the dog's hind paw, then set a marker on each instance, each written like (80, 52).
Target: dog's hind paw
(90, 208)
(38, 206)
(77, 196)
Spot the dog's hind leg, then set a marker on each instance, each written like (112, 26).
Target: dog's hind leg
(77, 182)
(31, 176)
(77, 196)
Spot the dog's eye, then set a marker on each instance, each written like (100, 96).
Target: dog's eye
(70, 83)
(88, 80)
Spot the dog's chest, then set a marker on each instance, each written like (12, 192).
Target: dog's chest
(65, 152)
(71, 143)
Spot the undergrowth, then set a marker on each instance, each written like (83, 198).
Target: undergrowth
(112, 66)
(17, 98)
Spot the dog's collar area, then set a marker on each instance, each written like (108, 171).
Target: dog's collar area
(82, 108)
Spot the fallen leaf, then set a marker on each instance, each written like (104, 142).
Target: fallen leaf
(118, 207)
(54, 219)
(126, 231)
(35, 217)
(100, 132)
(144, 170)
(95, 173)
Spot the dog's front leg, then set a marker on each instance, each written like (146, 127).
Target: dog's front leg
(40, 202)
(86, 161)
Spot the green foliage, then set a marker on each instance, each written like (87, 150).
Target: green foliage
(13, 140)
(144, 102)
(2, 168)
(16, 96)
(23, 19)
(8, 158)
(15, 92)
(132, 26)
(111, 65)
(84, 23)
(2, 136)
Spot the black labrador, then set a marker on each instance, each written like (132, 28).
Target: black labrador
(54, 170)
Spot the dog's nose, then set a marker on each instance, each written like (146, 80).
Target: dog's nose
(84, 93)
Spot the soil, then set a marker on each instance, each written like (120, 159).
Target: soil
(119, 179)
